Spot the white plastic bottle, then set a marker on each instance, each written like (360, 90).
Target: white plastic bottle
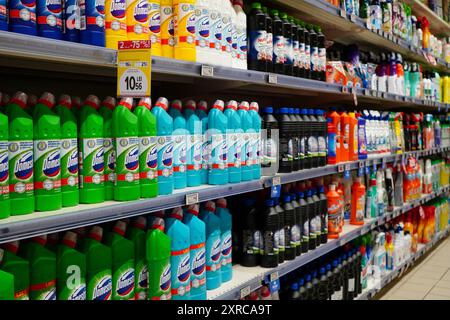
(234, 53)
(215, 32)
(226, 32)
(241, 30)
(202, 32)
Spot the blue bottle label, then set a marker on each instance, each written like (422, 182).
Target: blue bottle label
(179, 153)
(206, 152)
(218, 151)
(194, 147)
(213, 254)
(241, 42)
(92, 15)
(71, 15)
(227, 33)
(181, 272)
(165, 156)
(279, 50)
(226, 247)
(3, 12)
(257, 45)
(244, 148)
(307, 57)
(198, 265)
(23, 12)
(49, 14)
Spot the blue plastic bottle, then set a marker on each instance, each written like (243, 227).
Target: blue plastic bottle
(93, 30)
(217, 128)
(202, 114)
(164, 124)
(246, 125)
(179, 146)
(197, 232)
(49, 18)
(22, 16)
(213, 246)
(194, 144)
(3, 16)
(256, 139)
(234, 136)
(224, 215)
(71, 20)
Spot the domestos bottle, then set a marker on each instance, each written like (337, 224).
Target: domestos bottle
(225, 8)
(217, 127)
(180, 144)
(256, 140)
(215, 31)
(49, 18)
(115, 22)
(202, 32)
(22, 16)
(246, 151)
(154, 25)
(71, 20)
(201, 112)
(18, 267)
(137, 20)
(286, 156)
(136, 233)
(241, 33)
(226, 269)
(167, 29)
(5, 209)
(94, 33)
(194, 144)
(270, 236)
(184, 28)
(234, 136)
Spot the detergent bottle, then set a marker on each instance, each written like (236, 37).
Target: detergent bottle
(184, 29)
(334, 212)
(136, 233)
(164, 129)
(18, 267)
(234, 136)
(167, 28)
(98, 266)
(202, 32)
(194, 144)
(202, 113)
(115, 22)
(154, 28)
(94, 31)
(20, 156)
(179, 235)
(197, 252)
(358, 202)
(71, 20)
(217, 127)
(70, 269)
(5, 209)
(353, 137)
(216, 31)
(126, 144)
(255, 139)
(6, 285)
(137, 12)
(22, 17)
(122, 251)
(49, 19)
(226, 270)
(336, 121)
(241, 30)
(345, 132)
(158, 257)
(248, 134)
(148, 151)
(225, 8)
(180, 145)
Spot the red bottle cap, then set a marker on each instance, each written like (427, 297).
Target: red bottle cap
(42, 239)
(232, 104)
(92, 101)
(191, 105)
(146, 102)
(109, 102)
(193, 209)
(176, 213)
(47, 99)
(203, 105)
(120, 227)
(162, 103)
(140, 223)
(70, 239)
(221, 203)
(20, 98)
(158, 223)
(254, 106)
(244, 106)
(219, 105)
(210, 206)
(176, 104)
(12, 247)
(127, 103)
(64, 100)
(96, 233)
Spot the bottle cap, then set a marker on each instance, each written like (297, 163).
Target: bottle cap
(304, 112)
(42, 239)
(176, 104)
(243, 106)
(274, 12)
(210, 206)
(322, 270)
(140, 223)
(203, 105)
(47, 99)
(191, 105)
(146, 102)
(176, 213)
(308, 278)
(109, 102)
(126, 102)
(221, 203)
(232, 104)
(64, 100)
(12, 246)
(70, 239)
(219, 104)
(92, 101)
(284, 110)
(335, 263)
(52, 238)
(120, 227)
(254, 106)
(294, 286)
(314, 273)
(256, 5)
(162, 103)
(265, 292)
(32, 100)
(96, 233)
(297, 110)
(268, 110)
(158, 223)
(193, 209)
(286, 198)
(301, 282)
(291, 110)
(20, 98)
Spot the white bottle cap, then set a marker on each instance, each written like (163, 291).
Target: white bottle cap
(64, 100)
(162, 103)
(140, 223)
(70, 239)
(232, 104)
(96, 233)
(254, 106)
(221, 203)
(120, 227)
(146, 102)
(109, 102)
(244, 105)
(158, 223)
(92, 101)
(48, 99)
(20, 98)
(219, 105)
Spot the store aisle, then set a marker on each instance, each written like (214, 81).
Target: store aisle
(429, 280)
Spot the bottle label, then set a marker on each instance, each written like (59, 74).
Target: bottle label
(246, 149)
(179, 153)
(257, 45)
(218, 151)
(181, 272)
(206, 151)
(289, 51)
(313, 147)
(226, 247)
(92, 15)
(351, 285)
(164, 291)
(295, 235)
(234, 48)
(47, 165)
(154, 22)
(307, 56)
(314, 59)
(282, 240)
(194, 147)
(375, 16)
(127, 162)
(305, 231)
(22, 12)
(202, 27)
(47, 291)
(165, 155)
(234, 150)
(251, 242)
(332, 145)
(227, 33)
(334, 215)
(148, 158)
(213, 254)
(116, 21)
(91, 161)
(167, 27)
(215, 36)
(77, 293)
(269, 47)
(109, 158)
(123, 282)
(4, 171)
(49, 13)
(184, 23)
(288, 237)
(337, 295)
(241, 43)
(258, 144)
(141, 280)
(100, 286)
(362, 148)
(270, 242)
(198, 265)
(322, 62)
(360, 208)
(346, 136)
(301, 55)
(69, 163)
(322, 146)
(279, 50)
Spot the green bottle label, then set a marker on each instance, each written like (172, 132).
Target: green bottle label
(123, 282)
(92, 163)
(69, 163)
(21, 168)
(4, 171)
(127, 162)
(109, 155)
(148, 158)
(47, 166)
(141, 280)
(43, 291)
(74, 293)
(100, 286)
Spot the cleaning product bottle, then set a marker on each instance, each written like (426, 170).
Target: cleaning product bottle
(224, 215)
(335, 119)
(136, 233)
(70, 269)
(137, 17)
(241, 30)
(164, 125)
(184, 29)
(225, 8)
(49, 19)
(5, 209)
(91, 152)
(148, 151)
(202, 32)
(94, 15)
(345, 132)
(257, 38)
(180, 144)
(194, 144)
(379, 254)
(115, 22)
(255, 142)
(167, 28)
(18, 267)
(22, 17)
(202, 114)
(6, 286)
(353, 137)
(123, 262)
(246, 122)
(270, 236)
(217, 126)
(235, 137)
(361, 138)
(71, 20)
(358, 202)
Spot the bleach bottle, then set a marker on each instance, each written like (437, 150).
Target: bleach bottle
(154, 18)
(217, 128)
(5, 209)
(6, 285)
(202, 113)
(255, 139)
(180, 144)
(234, 136)
(115, 22)
(136, 233)
(126, 143)
(93, 22)
(47, 155)
(70, 269)
(202, 32)
(194, 144)
(164, 129)
(109, 152)
(22, 16)
(91, 152)
(122, 251)
(184, 29)
(226, 269)
(3, 15)
(246, 125)
(180, 257)
(69, 152)
(213, 246)
(158, 257)
(137, 20)
(71, 20)
(148, 151)
(49, 18)
(18, 267)
(197, 249)
(167, 29)
(20, 156)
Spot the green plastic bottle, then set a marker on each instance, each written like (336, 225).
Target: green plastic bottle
(122, 262)
(109, 154)
(18, 267)
(42, 268)
(136, 233)
(148, 151)
(5, 209)
(20, 146)
(31, 102)
(6, 285)
(69, 152)
(92, 185)
(158, 257)
(98, 266)
(126, 144)
(76, 106)
(52, 241)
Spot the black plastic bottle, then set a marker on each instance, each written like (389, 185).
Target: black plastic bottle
(322, 53)
(310, 294)
(256, 26)
(314, 53)
(350, 276)
(289, 224)
(269, 40)
(251, 235)
(305, 134)
(279, 48)
(301, 49)
(281, 235)
(269, 230)
(337, 281)
(270, 124)
(302, 289)
(298, 131)
(285, 136)
(323, 284)
(295, 47)
(287, 34)
(344, 276)
(321, 138)
(317, 216)
(330, 278)
(295, 138)
(311, 215)
(315, 283)
(358, 270)
(305, 222)
(313, 148)
(307, 53)
(323, 215)
(296, 230)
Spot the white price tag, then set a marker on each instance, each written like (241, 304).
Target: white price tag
(276, 181)
(207, 71)
(192, 198)
(273, 276)
(361, 164)
(272, 78)
(353, 18)
(340, 168)
(245, 291)
(347, 167)
(133, 83)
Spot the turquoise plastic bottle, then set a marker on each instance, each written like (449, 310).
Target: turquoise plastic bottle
(226, 269)
(213, 246)
(202, 113)
(180, 144)
(194, 144)
(109, 153)
(180, 239)
(197, 252)
(136, 233)
(256, 139)
(5, 209)
(18, 267)
(164, 125)
(246, 125)
(234, 136)
(217, 129)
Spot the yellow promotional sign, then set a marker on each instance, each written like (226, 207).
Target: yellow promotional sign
(134, 68)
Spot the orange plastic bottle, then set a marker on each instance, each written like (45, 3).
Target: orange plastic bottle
(353, 137)
(334, 212)
(345, 132)
(336, 120)
(340, 191)
(358, 202)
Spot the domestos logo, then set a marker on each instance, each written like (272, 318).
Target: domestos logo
(111, 161)
(23, 168)
(155, 22)
(223, 151)
(97, 161)
(226, 249)
(191, 24)
(102, 290)
(183, 154)
(215, 252)
(28, 3)
(125, 284)
(204, 26)
(72, 163)
(168, 155)
(118, 8)
(141, 11)
(152, 158)
(183, 269)
(164, 281)
(197, 152)
(51, 295)
(79, 293)
(51, 167)
(53, 6)
(198, 265)
(132, 159)
(100, 6)
(143, 278)
(3, 167)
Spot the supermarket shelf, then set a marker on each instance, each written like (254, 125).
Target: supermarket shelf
(247, 279)
(437, 25)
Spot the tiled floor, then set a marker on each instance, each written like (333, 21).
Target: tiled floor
(429, 280)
